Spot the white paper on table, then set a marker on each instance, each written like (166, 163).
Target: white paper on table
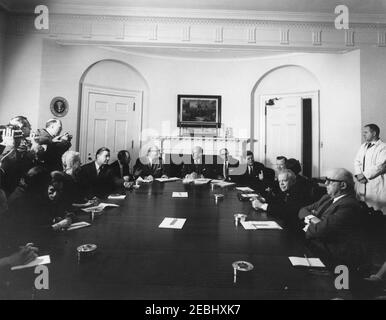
(100, 207)
(140, 179)
(258, 225)
(172, 223)
(117, 197)
(307, 262)
(37, 262)
(180, 195)
(216, 181)
(249, 195)
(224, 184)
(168, 179)
(245, 189)
(78, 225)
(201, 181)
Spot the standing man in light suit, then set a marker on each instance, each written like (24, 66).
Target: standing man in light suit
(370, 169)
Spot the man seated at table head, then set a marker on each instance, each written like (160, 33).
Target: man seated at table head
(286, 203)
(253, 173)
(334, 223)
(224, 162)
(96, 177)
(151, 166)
(121, 168)
(197, 168)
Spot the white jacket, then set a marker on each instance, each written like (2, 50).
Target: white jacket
(374, 191)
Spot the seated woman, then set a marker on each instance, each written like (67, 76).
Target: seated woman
(286, 203)
(71, 167)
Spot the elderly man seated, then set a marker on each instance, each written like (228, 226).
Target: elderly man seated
(334, 223)
(197, 168)
(286, 203)
(151, 166)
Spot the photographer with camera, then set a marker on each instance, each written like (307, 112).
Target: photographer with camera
(15, 152)
(56, 144)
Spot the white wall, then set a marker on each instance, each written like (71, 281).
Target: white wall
(373, 80)
(2, 30)
(60, 69)
(21, 78)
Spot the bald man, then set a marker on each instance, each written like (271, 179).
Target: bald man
(197, 168)
(150, 167)
(334, 224)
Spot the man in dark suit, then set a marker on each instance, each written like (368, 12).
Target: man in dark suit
(150, 167)
(96, 178)
(224, 165)
(197, 168)
(121, 170)
(286, 203)
(56, 145)
(334, 223)
(253, 175)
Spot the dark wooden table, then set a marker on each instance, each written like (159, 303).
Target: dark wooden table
(137, 260)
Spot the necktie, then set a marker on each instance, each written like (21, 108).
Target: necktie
(250, 170)
(225, 169)
(121, 169)
(324, 207)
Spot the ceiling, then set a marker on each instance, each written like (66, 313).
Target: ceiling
(308, 6)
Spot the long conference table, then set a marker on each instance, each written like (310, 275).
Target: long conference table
(136, 259)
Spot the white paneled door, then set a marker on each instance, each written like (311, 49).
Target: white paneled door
(284, 130)
(112, 119)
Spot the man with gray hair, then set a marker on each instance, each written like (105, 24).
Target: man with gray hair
(286, 203)
(334, 223)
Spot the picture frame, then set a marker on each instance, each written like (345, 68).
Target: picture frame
(59, 107)
(199, 111)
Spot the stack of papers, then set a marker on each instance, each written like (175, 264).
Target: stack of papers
(37, 262)
(100, 207)
(140, 179)
(222, 184)
(307, 262)
(244, 189)
(168, 179)
(180, 195)
(78, 225)
(172, 223)
(201, 181)
(117, 197)
(257, 225)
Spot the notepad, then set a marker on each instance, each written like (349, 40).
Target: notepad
(180, 195)
(172, 223)
(100, 207)
(245, 189)
(78, 225)
(117, 197)
(260, 225)
(37, 262)
(168, 179)
(306, 262)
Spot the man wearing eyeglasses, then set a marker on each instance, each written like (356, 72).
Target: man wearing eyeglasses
(334, 223)
(370, 169)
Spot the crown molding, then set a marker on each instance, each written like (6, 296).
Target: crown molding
(241, 15)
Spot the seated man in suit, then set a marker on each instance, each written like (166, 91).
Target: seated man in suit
(150, 167)
(56, 145)
(121, 169)
(286, 203)
(334, 224)
(197, 168)
(254, 174)
(224, 162)
(96, 178)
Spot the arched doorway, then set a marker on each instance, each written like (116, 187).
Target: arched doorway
(110, 115)
(285, 117)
